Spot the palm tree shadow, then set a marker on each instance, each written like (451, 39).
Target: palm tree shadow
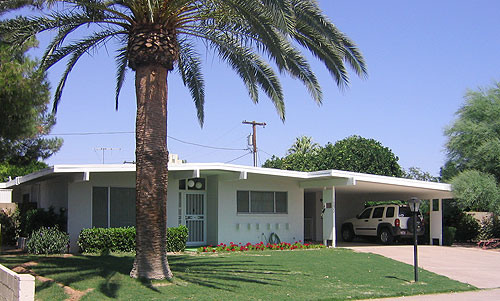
(224, 275)
(109, 287)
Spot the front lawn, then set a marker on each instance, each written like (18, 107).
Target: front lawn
(298, 274)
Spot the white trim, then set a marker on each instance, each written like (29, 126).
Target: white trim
(197, 168)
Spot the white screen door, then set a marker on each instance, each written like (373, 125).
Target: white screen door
(194, 208)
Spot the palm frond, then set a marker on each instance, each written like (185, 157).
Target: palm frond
(76, 50)
(251, 68)
(121, 70)
(189, 65)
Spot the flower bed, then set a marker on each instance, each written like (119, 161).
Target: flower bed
(261, 246)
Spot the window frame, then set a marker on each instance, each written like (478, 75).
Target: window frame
(249, 205)
(108, 205)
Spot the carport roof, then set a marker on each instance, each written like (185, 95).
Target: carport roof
(345, 182)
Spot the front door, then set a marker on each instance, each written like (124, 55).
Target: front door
(194, 217)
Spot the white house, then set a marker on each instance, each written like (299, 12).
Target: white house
(223, 203)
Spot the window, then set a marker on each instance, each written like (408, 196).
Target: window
(242, 201)
(389, 212)
(378, 212)
(100, 207)
(261, 202)
(122, 207)
(113, 207)
(366, 213)
(435, 205)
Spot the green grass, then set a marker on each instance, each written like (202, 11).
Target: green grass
(299, 274)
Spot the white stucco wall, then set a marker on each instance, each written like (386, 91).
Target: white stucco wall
(173, 202)
(80, 204)
(212, 209)
(5, 195)
(79, 210)
(254, 228)
(53, 193)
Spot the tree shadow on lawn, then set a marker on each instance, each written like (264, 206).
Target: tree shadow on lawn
(224, 274)
(98, 271)
(76, 269)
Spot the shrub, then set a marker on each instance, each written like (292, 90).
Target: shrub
(490, 228)
(47, 241)
(37, 218)
(467, 228)
(177, 238)
(449, 235)
(105, 240)
(9, 222)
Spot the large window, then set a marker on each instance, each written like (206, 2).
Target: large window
(113, 207)
(261, 202)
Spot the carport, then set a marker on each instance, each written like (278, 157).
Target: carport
(340, 195)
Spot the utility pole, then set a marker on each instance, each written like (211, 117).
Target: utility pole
(105, 149)
(254, 138)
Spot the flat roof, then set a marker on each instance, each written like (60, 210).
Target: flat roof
(344, 181)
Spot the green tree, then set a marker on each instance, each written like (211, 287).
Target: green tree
(474, 137)
(360, 154)
(156, 36)
(24, 120)
(353, 153)
(477, 191)
(416, 173)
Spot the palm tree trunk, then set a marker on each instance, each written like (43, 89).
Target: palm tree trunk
(151, 173)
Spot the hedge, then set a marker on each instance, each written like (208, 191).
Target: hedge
(105, 240)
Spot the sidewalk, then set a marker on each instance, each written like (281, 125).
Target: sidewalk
(486, 295)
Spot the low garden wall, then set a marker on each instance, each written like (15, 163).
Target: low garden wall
(14, 286)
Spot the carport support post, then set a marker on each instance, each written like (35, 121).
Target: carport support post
(329, 217)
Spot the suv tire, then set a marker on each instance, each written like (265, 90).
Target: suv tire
(347, 233)
(385, 236)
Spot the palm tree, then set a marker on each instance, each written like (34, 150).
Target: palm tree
(158, 36)
(303, 145)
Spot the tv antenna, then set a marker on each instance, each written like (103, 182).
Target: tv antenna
(103, 149)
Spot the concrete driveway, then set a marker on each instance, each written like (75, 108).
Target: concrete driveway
(475, 266)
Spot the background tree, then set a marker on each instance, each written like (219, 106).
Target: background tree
(360, 154)
(24, 120)
(353, 153)
(474, 137)
(476, 191)
(416, 173)
(303, 145)
(156, 36)
(473, 151)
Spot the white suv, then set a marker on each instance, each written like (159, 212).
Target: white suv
(386, 222)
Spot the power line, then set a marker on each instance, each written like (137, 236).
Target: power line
(238, 157)
(207, 146)
(173, 138)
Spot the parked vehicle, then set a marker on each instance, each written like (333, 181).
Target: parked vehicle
(386, 222)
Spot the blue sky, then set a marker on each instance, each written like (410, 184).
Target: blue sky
(422, 56)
